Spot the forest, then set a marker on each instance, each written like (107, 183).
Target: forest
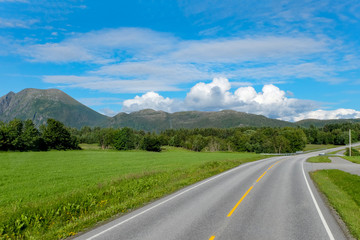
(242, 139)
(18, 135)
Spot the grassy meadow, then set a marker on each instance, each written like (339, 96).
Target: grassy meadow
(319, 159)
(56, 194)
(343, 192)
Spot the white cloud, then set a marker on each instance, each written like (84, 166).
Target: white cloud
(155, 70)
(16, 23)
(271, 102)
(248, 49)
(138, 54)
(108, 112)
(330, 114)
(143, 54)
(99, 101)
(111, 85)
(101, 46)
(21, 1)
(150, 100)
(216, 95)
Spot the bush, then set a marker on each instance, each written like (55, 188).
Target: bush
(354, 152)
(151, 143)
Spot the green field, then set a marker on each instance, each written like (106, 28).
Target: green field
(343, 192)
(319, 159)
(53, 195)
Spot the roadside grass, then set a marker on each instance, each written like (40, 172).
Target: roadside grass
(355, 159)
(310, 147)
(336, 152)
(343, 192)
(319, 159)
(56, 194)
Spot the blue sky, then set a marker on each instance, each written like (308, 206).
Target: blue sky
(283, 59)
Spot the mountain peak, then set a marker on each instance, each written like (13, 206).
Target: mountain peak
(41, 104)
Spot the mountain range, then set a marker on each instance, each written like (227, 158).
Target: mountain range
(39, 105)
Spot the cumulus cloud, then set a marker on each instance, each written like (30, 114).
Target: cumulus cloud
(149, 100)
(330, 114)
(271, 101)
(216, 95)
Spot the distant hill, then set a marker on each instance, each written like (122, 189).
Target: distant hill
(321, 123)
(150, 120)
(39, 105)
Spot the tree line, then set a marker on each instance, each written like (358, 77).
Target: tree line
(249, 139)
(20, 135)
(278, 140)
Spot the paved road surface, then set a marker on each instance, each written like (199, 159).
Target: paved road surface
(336, 163)
(268, 199)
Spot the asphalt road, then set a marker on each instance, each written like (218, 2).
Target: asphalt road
(267, 199)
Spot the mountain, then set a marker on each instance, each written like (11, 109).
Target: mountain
(39, 105)
(150, 120)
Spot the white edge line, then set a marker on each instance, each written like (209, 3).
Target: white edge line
(331, 236)
(177, 195)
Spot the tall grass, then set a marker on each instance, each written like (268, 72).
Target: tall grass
(53, 195)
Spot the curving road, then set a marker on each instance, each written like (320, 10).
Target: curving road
(267, 199)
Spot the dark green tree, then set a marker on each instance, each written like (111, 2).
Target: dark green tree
(32, 138)
(124, 139)
(151, 142)
(56, 136)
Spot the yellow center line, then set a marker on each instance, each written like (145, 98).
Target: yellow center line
(212, 238)
(261, 176)
(242, 198)
(271, 166)
(247, 192)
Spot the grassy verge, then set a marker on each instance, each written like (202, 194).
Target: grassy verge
(355, 159)
(53, 195)
(310, 147)
(343, 192)
(319, 159)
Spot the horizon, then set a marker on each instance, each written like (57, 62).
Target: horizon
(283, 60)
(146, 109)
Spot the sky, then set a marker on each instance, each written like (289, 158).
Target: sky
(288, 60)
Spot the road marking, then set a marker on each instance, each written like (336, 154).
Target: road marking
(175, 196)
(271, 166)
(261, 176)
(242, 198)
(212, 238)
(331, 236)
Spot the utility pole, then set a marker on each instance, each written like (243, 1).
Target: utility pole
(350, 142)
